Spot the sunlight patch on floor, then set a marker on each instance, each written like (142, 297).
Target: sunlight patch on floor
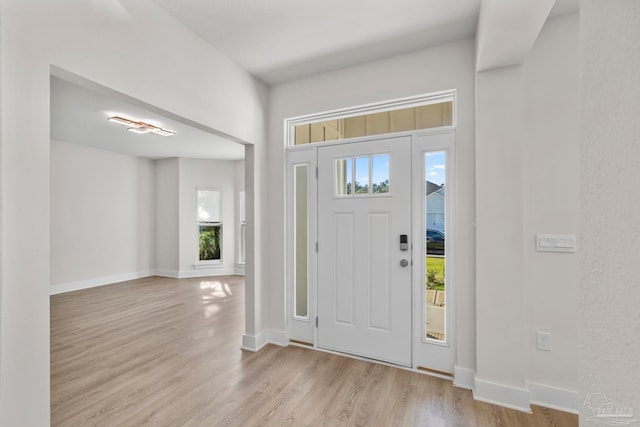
(215, 291)
(218, 289)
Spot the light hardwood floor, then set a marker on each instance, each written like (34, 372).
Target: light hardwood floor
(166, 352)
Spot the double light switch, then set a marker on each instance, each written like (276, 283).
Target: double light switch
(556, 242)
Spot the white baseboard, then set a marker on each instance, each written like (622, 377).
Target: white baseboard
(254, 342)
(184, 274)
(464, 377)
(536, 394)
(280, 338)
(167, 273)
(272, 336)
(98, 281)
(502, 395)
(554, 398)
(239, 269)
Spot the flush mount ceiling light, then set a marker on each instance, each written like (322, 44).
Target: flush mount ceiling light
(140, 127)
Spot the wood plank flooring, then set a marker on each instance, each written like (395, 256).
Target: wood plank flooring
(166, 352)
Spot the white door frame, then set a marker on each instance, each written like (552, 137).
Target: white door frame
(301, 330)
(304, 330)
(431, 355)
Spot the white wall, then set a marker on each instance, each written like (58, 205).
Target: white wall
(166, 226)
(527, 182)
(551, 172)
(102, 224)
(609, 295)
(108, 227)
(124, 46)
(445, 67)
(213, 174)
(500, 136)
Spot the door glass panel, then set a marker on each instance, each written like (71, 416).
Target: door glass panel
(435, 203)
(362, 175)
(380, 173)
(343, 177)
(362, 171)
(301, 239)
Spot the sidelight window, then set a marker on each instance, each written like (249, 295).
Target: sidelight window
(301, 239)
(435, 244)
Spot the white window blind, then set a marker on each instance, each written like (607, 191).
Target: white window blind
(209, 209)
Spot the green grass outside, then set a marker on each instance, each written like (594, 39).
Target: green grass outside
(435, 273)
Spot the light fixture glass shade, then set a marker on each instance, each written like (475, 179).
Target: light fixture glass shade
(139, 130)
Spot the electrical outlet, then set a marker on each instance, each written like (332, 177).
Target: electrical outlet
(543, 341)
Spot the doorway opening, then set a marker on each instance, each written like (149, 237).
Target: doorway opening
(127, 203)
(120, 208)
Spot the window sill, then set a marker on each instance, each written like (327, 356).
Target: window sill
(208, 264)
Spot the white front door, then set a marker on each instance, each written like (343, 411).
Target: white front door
(364, 272)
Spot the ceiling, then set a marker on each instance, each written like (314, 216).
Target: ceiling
(79, 115)
(276, 41)
(282, 40)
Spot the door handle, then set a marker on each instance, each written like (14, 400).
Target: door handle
(404, 263)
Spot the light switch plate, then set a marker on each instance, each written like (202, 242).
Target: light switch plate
(555, 242)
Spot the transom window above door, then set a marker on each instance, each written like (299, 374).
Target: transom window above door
(433, 113)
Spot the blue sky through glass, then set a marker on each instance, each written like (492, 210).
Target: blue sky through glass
(362, 171)
(380, 165)
(434, 167)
